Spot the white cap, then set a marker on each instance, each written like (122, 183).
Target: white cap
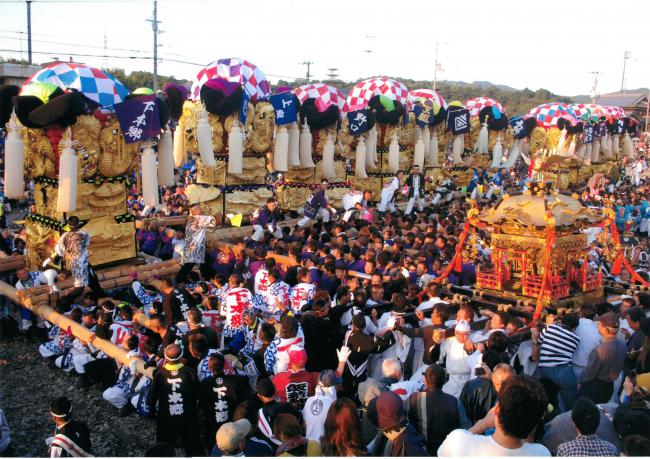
(462, 327)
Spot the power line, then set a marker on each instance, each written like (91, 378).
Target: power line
(76, 45)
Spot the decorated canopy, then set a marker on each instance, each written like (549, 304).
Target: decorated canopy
(614, 112)
(365, 90)
(427, 97)
(587, 111)
(95, 84)
(548, 114)
(476, 104)
(235, 70)
(324, 94)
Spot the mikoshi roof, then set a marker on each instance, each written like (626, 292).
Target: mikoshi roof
(530, 210)
(365, 90)
(235, 70)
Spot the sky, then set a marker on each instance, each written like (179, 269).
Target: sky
(547, 44)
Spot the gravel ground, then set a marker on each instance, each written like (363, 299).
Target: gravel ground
(27, 384)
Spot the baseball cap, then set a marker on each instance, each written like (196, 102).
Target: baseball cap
(232, 434)
(297, 356)
(609, 320)
(386, 411)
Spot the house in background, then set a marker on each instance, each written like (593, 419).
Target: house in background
(634, 103)
(16, 74)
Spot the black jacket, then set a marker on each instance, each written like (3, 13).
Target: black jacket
(174, 395)
(435, 418)
(409, 183)
(478, 397)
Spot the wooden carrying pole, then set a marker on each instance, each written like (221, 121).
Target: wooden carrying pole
(78, 330)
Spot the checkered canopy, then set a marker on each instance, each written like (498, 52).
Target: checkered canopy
(97, 85)
(365, 90)
(428, 98)
(548, 114)
(235, 70)
(586, 111)
(614, 112)
(328, 95)
(476, 104)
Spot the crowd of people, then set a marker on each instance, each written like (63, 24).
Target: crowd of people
(347, 344)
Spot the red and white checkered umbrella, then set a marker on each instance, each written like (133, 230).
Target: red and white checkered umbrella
(614, 112)
(427, 97)
(367, 89)
(476, 104)
(235, 70)
(324, 94)
(547, 115)
(586, 111)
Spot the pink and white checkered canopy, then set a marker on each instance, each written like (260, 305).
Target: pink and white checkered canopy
(476, 104)
(326, 94)
(235, 70)
(428, 97)
(367, 89)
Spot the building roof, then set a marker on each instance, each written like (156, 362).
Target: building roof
(622, 99)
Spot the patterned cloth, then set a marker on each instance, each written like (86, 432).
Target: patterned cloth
(586, 111)
(327, 94)
(194, 251)
(367, 89)
(548, 114)
(93, 83)
(476, 104)
(614, 112)
(236, 70)
(587, 445)
(428, 97)
(75, 244)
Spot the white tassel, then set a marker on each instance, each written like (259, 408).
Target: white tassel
(294, 145)
(426, 138)
(179, 145)
(360, 159)
(561, 142)
(329, 171)
(14, 161)
(68, 170)
(371, 149)
(149, 177)
(281, 150)
(497, 153)
(204, 137)
(587, 157)
(483, 140)
(571, 151)
(433, 149)
(235, 149)
(305, 147)
(607, 146)
(458, 148)
(512, 155)
(628, 147)
(616, 145)
(393, 154)
(165, 159)
(595, 151)
(581, 151)
(418, 154)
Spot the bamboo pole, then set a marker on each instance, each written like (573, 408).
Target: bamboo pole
(78, 330)
(12, 263)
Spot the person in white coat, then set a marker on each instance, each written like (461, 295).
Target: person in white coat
(389, 192)
(453, 354)
(316, 407)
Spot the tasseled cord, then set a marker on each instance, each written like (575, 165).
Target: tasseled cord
(66, 200)
(360, 159)
(483, 140)
(236, 149)
(204, 137)
(306, 159)
(14, 161)
(281, 150)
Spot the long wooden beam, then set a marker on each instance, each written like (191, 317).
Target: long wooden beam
(12, 263)
(78, 330)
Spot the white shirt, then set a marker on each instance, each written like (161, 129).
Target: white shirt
(351, 199)
(315, 412)
(262, 281)
(590, 338)
(460, 443)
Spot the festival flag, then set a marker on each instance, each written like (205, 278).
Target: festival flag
(285, 108)
(139, 118)
(423, 115)
(358, 121)
(243, 111)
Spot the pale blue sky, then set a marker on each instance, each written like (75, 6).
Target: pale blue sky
(552, 44)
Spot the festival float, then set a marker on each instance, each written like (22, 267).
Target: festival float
(376, 117)
(64, 134)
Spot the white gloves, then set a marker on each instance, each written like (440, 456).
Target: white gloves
(343, 354)
(46, 262)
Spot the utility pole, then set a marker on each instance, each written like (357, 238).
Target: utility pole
(308, 64)
(29, 31)
(626, 56)
(437, 66)
(594, 89)
(647, 112)
(154, 26)
(332, 75)
(105, 50)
